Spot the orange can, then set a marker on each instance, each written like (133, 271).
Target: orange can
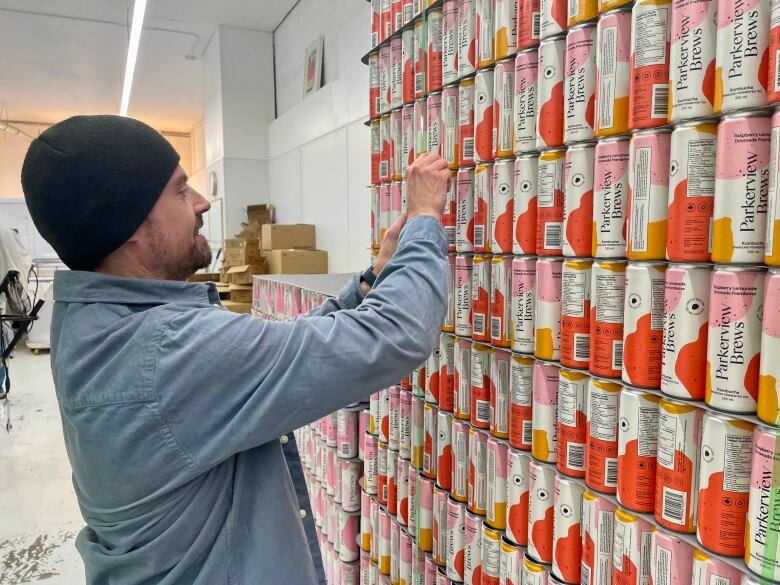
(520, 419)
(601, 448)
(572, 421)
(575, 313)
(480, 298)
(608, 280)
(613, 72)
(500, 301)
(480, 385)
(637, 436)
(651, 24)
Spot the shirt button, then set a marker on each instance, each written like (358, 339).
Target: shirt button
(284, 440)
(303, 513)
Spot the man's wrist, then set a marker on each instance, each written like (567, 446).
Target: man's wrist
(429, 212)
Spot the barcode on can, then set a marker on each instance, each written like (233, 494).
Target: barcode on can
(535, 24)
(479, 235)
(468, 148)
(777, 69)
(617, 354)
(581, 347)
(479, 323)
(384, 169)
(552, 234)
(660, 101)
(427, 462)
(495, 328)
(450, 231)
(585, 574)
(483, 411)
(408, 12)
(673, 504)
(344, 450)
(419, 82)
(574, 8)
(610, 471)
(528, 432)
(575, 456)
(491, 482)
(376, 104)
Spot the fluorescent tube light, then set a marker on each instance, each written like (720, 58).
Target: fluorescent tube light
(132, 53)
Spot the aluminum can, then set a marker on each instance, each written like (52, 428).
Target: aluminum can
(540, 512)
(405, 424)
(741, 189)
(420, 58)
(648, 188)
(407, 141)
(771, 250)
(420, 127)
(384, 210)
(692, 59)
(724, 484)
(684, 349)
(347, 437)
(491, 555)
(477, 499)
(444, 450)
(467, 63)
(394, 203)
(637, 449)
(677, 479)
(548, 308)
(485, 33)
(446, 373)
(567, 542)
(402, 493)
(449, 218)
(462, 379)
(649, 83)
(425, 514)
(575, 313)
(549, 103)
(376, 151)
(371, 465)
(544, 412)
(509, 570)
(472, 548)
(396, 73)
(525, 207)
(500, 301)
(602, 429)
(523, 305)
(456, 530)
(392, 482)
(466, 122)
(430, 417)
(407, 71)
(524, 107)
(463, 276)
(384, 542)
(385, 75)
(351, 472)
(413, 502)
(439, 552)
(770, 333)
(480, 297)
(449, 42)
(741, 55)
(418, 433)
(517, 497)
(598, 520)
(528, 23)
(373, 85)
(464, 218)
(643, 324)
(435, 124)
(691, 191)
(613, 71)
(500, 393)
(450, 126)
(393, 437)
(506, 28)
(534, 573)
(553, 18)
(460, 460)
(382, 476)
(503, 107)
(761, 554)
(480, 385)
(707, 569)
(549, 217)
(578, 200)
(520, 417)
(483, 208)
(606, 318)
(496, 484)
(632, 548)
(572, 421)
(734, 338)
(433, 72)
(483, 114)
(386, 22)
(431, 389)
(580, 11)
(503, 205)
(610, 193)
(579, 87)
(376, 23)
(672, 560)
(347, 537)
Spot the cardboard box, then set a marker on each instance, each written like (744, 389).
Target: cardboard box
(204, 277)
(297, 262)
(279, 236)
(263, 213)
(240, 274)
(237, 307)
(224, 290)
(241, 293)
(239, 251)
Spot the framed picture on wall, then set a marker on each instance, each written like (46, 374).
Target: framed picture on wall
(312, 72)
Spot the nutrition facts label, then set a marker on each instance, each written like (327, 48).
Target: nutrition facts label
(550, 172)
(648, 431)
(651, 27)
(667, 433)
(574, 293)
(640, 200)
(570, 400)
(737, 457)
(521, 380)
(603, 411)
(607, 72)
(700, 170)
(609, 292)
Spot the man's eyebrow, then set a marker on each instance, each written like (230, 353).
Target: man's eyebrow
(182, 180)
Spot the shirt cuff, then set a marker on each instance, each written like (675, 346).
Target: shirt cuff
(352, 293)
(424, 227)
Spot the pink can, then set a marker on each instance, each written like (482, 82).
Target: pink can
(549, 104)
(547, 344)
(496, 483)
(672, 560)
(371, 463)
(456, 529)
(477, 498)
(610, 192)
(425, 516)
(446, 372)
(373, 85)
(472, 548)
(449, 104)
(579, 91)
(402, 491)
(450, 216)
(405, 424)
(528, 22)
(503, 107)
(467, 63)
(462, 382)
(463, 275)
(407, 138)
(500, 363)
(444, 450)
(349, 527)
(544, 446)
(464, 219)
(351, 473)
(439, 532)
(449, 41)
(434, 124)
(553, 19)
(394, 419)
(385, 89)
(649, 83)
(613, 72)
(347, 433)
(483, 205)
(524, 109)
(501, 301)
(407, 66)
(433, 73)
(396, 73)
(523, 304)
(460, 460)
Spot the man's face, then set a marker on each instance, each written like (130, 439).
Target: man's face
(169, 235)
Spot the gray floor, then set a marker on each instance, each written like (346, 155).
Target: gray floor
(39, 517)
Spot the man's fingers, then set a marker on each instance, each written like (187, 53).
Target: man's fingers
(395, 230)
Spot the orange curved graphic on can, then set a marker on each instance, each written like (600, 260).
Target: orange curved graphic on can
(541, 535)
(763, 69)
(433, 386)
(483, 135)
(774, 259)
(722, 240)
(635, 474)
(722, 517)
(540, 447)
(577, 230)
(767, 399)
(567, 554)
(444, 471)
(502, 43)
(717, 102)
(518, 520)
(590, 110)
(620, 119)
(525, 230)
(681, 217)
(691, 366)
(708, 84)
(503, 229)
(656, 242)
(550, 118)
(751, 377)
(544, 346)
(642, 354)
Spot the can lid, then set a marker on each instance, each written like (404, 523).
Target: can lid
(691, 265)
(657, 130)
(527, 51)
(625, 516)
(747, 113)
(528, 155)
(582, 25)
(692, 122)
(640, 263)
(738, 268)
(616, 138)
(561, 36)
(625, 8)
(581, 144)
(575, 262)
(532, 564)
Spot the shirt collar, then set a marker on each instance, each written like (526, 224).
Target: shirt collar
(90, 287)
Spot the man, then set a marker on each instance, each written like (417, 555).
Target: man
(172, 407)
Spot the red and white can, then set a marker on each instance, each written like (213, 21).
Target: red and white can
(741, 188)
(637, 448)
(385, 76)
(598, 520)
(741, 55)
(503, 206)
(463, 276)
(523, 305)
(553, 17)
(425, 514)
(463, 379)
(677, 479)
(376, 23)
(485, 33)
(643, 324)
(528, 23)
(506, 28)
(433, 65)
(407, 66)
(456, 530)
(373, 85)
(480, 298)
(580, 11)
(613, 72)
(540, 512)
(420, 58)
(491, 555)
(724, 484)
(483, 208)
(572, 421)
(396, 73)
(549, 216)
(384, 210)
(692, 59)
(418, 433)
(672, 560)
(477, 499)
(549, 103)
(544, 445)
(483, 114)
(449, 111)
(405, 424)
(762, 554)
(496, 483)
(567, 543)
(464, 215)
(734, 339)
(575, 313)
(525, 207)
(517, 497)
(386, 22)
(467, 63)
(466, 122)
(472, 549)
(439, 552)
(610, 192)
(382, 475)
(691, 191)
(376, 216)
(601, 448)
(480, 385)
(407, 142)
(768, 410)
(648, 188)
(434, 124)
(371, 464)
(402, 490)
(460, 460)
(534, 573)
(449, 42)
(347, 537)
(395, 203)
(684, 349)
(520, 417)
(608, 280)
(771, 249)
(392, 482)
(351, 472)
(500, 393)
(579, 86)
(707, 569)
(387, 152)
(376, 151)
(511, 559)
(578, 200)
(449, 219)
(524, 108)
(632, 547)
(347, 433)
(548, 308)
(446, 374)
(650, 23)
(503, 107)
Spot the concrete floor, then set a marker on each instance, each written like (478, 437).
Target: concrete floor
(39, 516)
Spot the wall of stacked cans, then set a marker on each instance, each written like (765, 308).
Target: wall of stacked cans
(603, 404)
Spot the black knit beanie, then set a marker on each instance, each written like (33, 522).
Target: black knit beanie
(90, 181)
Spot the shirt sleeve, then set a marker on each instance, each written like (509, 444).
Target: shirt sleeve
(227, 382)
(350, 296)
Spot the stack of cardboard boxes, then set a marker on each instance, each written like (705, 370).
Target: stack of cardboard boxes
(291, 249)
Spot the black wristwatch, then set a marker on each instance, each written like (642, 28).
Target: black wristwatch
(368, 277)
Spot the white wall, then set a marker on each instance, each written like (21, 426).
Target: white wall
(319, 147)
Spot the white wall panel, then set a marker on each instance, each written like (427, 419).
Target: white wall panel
(246, 182)
(285, 189)
(359, 203)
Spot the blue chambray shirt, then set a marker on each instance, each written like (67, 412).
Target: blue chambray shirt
(172, 408)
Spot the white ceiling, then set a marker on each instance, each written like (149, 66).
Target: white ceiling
(59, 58)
